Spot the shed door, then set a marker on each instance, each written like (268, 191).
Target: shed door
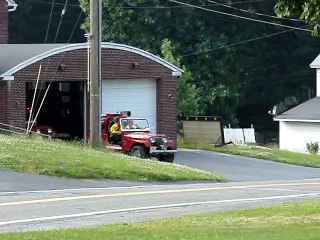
(137, 96)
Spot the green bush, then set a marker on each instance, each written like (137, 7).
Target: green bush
(313, 147)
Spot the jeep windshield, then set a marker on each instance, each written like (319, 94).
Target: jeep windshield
(134, 124)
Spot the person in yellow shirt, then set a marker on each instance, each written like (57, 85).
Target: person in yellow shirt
(115, 131)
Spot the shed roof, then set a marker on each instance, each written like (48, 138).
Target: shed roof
(14, 57)
(305, 112)
(13, 54)
(316, 62)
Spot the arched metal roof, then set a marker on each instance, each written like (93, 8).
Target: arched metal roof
(14, 57)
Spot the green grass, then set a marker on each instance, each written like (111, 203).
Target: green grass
(282, 222)
(267, 153)
(75, 160)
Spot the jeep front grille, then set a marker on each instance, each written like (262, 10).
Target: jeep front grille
(158, 141)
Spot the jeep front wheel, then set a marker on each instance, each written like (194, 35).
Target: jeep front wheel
(138, 151)
(166, 157)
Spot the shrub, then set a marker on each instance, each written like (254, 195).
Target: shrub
(313, 147)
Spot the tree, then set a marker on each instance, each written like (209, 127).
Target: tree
(187, 94)
(307, 10)
(237, 79)
(146, 23)
(29, 23)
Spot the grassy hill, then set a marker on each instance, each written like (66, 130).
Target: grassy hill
(76, 160)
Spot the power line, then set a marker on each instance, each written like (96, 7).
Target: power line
(74, 28)
(237, 43)
(145, 7)
(259, 14)
(49, 22)
(56, 3)
(136, 6)
(241, 17)
(246, 2)
(61, 18)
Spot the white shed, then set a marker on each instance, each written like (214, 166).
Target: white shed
(301, 124)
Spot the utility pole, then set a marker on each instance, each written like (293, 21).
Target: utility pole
(95, 73)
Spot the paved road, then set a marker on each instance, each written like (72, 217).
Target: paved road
(31, 202)
(22, 211)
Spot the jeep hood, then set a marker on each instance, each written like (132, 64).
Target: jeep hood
(143, 135)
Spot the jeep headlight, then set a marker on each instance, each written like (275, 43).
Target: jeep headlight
(165, 140)
(152, 140)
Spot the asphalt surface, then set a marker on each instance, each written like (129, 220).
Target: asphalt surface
(244, 169)
(32, 202)
(13, 181)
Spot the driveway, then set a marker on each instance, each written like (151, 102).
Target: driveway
(244, 169)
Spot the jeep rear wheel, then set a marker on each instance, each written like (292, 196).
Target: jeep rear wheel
(166, 157)
(138, 151)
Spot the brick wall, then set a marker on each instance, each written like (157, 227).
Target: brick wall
(116, 64)
(3, 103)
(3, 22)
(166, 105)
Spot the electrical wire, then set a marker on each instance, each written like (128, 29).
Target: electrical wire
(74, 28)
(61, 18)
(146, 7)
(241, 17)
(237, 43)
(49, 22)
(172, 7)
(259, 14)
(56, 3)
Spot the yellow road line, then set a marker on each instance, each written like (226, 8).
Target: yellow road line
(96, 196)
(152, 208)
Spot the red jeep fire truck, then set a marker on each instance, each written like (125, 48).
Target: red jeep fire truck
(137, 139)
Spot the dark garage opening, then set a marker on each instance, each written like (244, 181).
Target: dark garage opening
(62, 109)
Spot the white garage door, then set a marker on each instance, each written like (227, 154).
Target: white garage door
(137, 96)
